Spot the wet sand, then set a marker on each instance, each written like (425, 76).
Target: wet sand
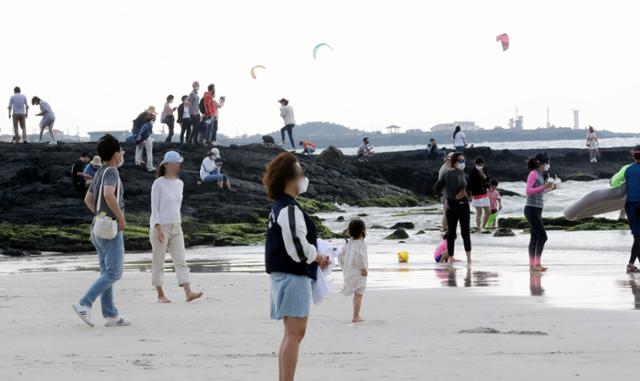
(439, 334)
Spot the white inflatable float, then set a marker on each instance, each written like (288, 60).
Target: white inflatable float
(597, 202)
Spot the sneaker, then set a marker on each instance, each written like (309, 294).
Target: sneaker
(151, 169)
(117, 321)
(84, 313)
(53, 142)
(214, 143)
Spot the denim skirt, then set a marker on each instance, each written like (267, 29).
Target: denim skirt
(290, 295)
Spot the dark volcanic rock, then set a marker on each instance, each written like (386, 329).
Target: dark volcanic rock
(398, 234)
(332, 156)
(403, 225)
(504, 232)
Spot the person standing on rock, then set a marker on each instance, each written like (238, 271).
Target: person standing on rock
(48, 118)
(167, 117)
(184, 119)
(194, 100)
(105, 199)
(211, 106)
(166, 227)
(454, 184)
(286, 112)
(536, 187)
(592, 143)
(291, 256)
(478, 186)
(459, 139)
(20, 108)
(143, 130)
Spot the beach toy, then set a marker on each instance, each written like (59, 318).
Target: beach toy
(504, 40)
(440, 251)
(597, 202)
(403, 256)
(492, 218)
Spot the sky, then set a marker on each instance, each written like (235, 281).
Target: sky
(404, 62)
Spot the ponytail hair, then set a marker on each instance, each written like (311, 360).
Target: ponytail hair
(161, 170)
(458, 129)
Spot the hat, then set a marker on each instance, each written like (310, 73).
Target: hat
(96, 161)
(283, 100)
(541, 158)
(171, 157)
(151, 110)
(215, 152)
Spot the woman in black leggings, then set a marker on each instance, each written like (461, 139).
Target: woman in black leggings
(454, 182)
(536, 187)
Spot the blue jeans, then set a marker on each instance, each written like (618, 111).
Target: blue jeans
(111, 261)
(215, 178)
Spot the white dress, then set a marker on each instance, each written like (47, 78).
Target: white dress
(353, 260)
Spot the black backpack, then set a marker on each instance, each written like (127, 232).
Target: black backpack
(203, 110)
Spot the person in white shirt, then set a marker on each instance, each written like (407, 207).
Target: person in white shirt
(211, 170)
(592, 143)
(355, 269)
(286, 112)
(18, 104)
(459, 140)
(48, 118)
(166, 228)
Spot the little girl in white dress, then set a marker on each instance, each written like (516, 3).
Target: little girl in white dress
(354, 263)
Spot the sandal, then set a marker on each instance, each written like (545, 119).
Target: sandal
(631, 268)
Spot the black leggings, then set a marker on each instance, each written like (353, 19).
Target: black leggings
(458, 212)
(536, 227)
(633, 216)
(170, 122)
(289, 129)
(635, 250)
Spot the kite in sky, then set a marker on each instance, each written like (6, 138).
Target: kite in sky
(253, 70)
(315, 49)
(504, 40)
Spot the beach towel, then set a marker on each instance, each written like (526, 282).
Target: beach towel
(320, 288)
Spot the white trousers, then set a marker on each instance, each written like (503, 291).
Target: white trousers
(148, 146)
(174, 243)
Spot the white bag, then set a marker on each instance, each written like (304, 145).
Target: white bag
(105, 227)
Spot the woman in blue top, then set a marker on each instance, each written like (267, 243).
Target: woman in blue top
(632, 206)
(291, 256)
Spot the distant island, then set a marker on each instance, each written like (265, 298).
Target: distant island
(324, 134)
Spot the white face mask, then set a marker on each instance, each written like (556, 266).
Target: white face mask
(303, 185)
(460, 166)
(121, 162)
(547, 167)
(479, 167)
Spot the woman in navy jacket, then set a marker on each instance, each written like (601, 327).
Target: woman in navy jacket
(291, 256)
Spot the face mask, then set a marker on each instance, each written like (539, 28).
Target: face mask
(121, 162)
(303, 185)
(547, 167)
(460, 166)
(479, 167)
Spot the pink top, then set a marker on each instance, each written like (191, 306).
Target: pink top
(440, 250)
(494, 196)
(531, 182)
(168, 110)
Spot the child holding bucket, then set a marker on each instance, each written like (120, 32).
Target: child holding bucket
(354, 263)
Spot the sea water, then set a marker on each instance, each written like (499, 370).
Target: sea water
(587, 268)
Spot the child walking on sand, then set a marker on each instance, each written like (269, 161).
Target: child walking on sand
(354, 263)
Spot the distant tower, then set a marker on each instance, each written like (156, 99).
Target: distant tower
(576, 120)
(548, 121)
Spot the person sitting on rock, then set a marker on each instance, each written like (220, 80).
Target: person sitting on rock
(433, 151)
(211, 170)
(365, 151)
(90, 170)
(307, 147)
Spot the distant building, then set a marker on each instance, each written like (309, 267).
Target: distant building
(415, 131)
(393, 129)
(576, 120)
(464, 125)
(94, 136)
(516, 123)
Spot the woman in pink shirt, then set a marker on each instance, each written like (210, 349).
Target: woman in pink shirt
(167, 117)
(536, 187)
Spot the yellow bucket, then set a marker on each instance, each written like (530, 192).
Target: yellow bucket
(403, 256)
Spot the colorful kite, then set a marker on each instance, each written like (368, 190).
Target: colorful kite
(504, 40)
(315, 49)
(253, 70)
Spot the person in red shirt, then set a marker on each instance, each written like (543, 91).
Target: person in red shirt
(307, 147)
(211, 107)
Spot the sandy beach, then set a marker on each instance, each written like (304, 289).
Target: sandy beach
(409, 335)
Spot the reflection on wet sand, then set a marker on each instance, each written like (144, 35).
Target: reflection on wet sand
(634, 284)
(448, 277)
(535, 284)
